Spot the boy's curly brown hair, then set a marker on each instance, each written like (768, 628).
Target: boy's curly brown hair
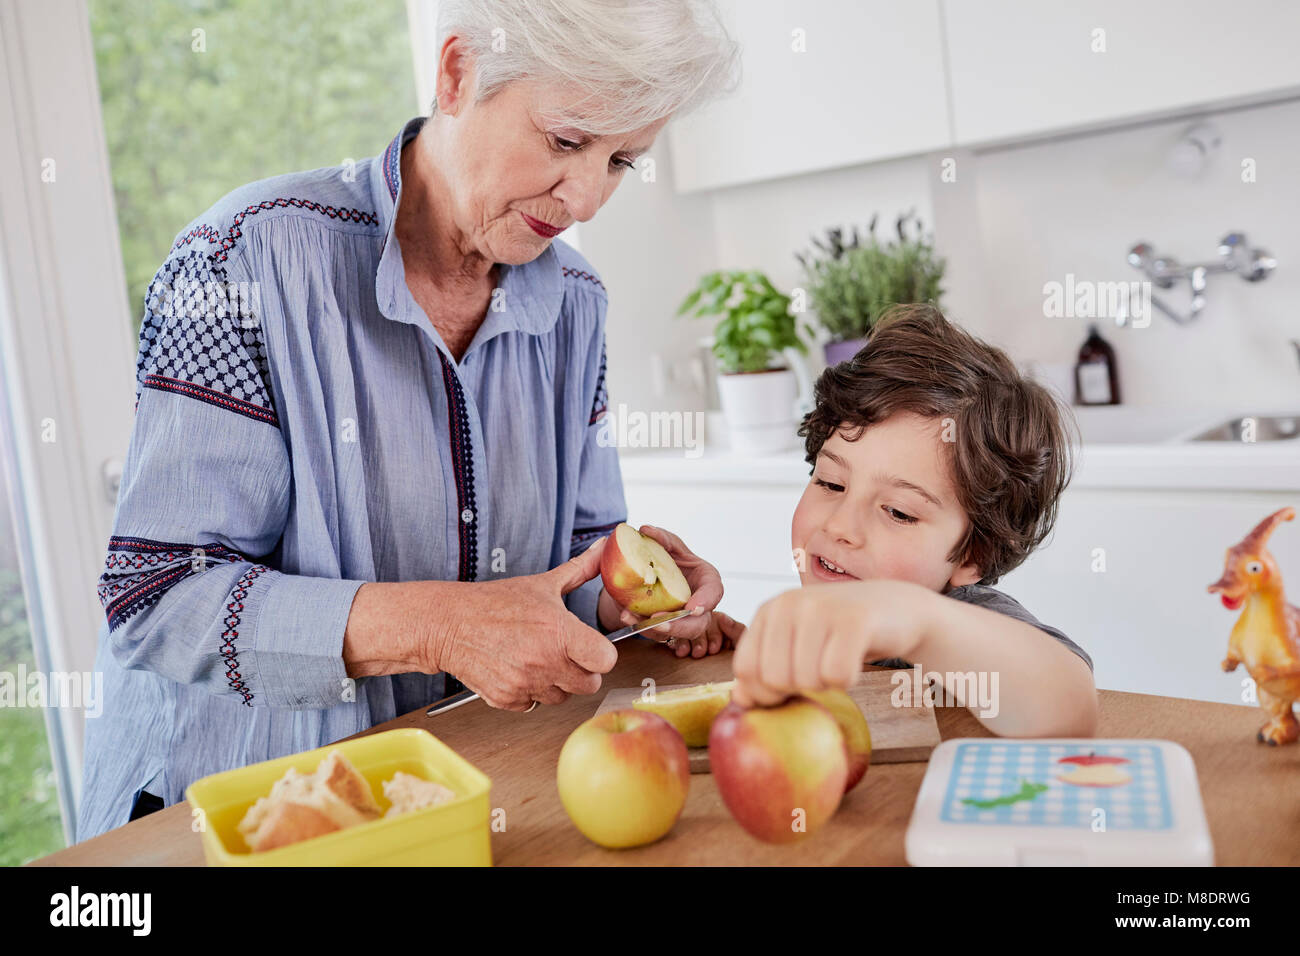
(1010, 458)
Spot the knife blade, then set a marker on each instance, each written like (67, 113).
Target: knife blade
(647, 624)
(465, 696)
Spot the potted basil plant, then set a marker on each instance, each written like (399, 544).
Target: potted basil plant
(763, 383)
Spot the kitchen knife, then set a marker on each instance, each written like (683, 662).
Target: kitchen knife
(453, 701)
(654, 621)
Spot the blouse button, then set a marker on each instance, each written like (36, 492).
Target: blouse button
(467, 516)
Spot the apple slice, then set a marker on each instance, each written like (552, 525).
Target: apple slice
(640, 574)
(690, 709)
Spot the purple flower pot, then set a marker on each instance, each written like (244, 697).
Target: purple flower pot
(837, 352)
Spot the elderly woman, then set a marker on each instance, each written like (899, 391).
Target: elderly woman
(365, 450)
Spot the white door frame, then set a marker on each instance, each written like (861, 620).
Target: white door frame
(66, 338)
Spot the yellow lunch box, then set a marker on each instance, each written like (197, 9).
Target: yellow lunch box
(456, 833)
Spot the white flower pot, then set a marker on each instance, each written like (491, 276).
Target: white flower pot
(763, 409)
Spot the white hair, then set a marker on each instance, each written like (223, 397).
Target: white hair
(637, 60)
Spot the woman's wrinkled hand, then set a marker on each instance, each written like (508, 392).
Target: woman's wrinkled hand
(513, 641)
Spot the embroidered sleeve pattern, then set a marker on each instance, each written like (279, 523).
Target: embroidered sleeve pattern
(201, 337)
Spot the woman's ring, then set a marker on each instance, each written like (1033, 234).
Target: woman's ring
(532, 708)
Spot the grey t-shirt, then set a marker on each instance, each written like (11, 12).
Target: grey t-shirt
(993, 599)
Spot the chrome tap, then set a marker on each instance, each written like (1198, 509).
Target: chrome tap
(1252, 264)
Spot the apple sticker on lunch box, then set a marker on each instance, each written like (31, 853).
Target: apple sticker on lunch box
(1093, 770)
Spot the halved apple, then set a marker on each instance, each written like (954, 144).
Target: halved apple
(640, 574)
(690, 709)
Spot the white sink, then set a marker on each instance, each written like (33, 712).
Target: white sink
(1252, 428)
(1124, 425)
(1128, 425)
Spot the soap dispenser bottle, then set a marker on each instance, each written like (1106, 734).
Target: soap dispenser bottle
(1096, 379)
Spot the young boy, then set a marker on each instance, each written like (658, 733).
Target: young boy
(936, 470)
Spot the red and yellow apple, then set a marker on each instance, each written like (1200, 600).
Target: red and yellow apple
(623, 777)
(857, 735)
(690, 710)
(780, 770)
(640, 574)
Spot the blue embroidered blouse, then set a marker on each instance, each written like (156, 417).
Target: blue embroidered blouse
(302, 428)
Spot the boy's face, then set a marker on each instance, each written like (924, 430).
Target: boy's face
(882, 507)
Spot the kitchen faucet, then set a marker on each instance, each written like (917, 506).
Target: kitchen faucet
(1252, 264)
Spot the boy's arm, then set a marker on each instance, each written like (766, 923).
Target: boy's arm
(818, 636)
(1038, 687)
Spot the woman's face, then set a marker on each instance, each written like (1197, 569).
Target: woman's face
(511, 173)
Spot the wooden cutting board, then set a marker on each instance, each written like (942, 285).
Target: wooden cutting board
(898, 734)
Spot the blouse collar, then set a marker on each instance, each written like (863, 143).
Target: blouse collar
(530, 295)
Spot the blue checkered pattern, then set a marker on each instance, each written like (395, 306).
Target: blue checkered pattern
(985, 770)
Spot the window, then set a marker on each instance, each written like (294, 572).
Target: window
(198, 97)
(30, 822)
(202, 96)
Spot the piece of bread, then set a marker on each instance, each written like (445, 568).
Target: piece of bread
(303, 805)
(407, 793)
(280, 824)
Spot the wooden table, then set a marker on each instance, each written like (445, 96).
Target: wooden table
(1251, 791)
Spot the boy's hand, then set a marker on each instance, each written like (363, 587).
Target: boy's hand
(817, 637)
(691, 633)
(722, 632)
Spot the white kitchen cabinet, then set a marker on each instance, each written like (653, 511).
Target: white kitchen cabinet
(881, 79)
(867, 84)
(1146, 619)
(746, 592)
(743, 531)
(1021, 68)
(747, 529)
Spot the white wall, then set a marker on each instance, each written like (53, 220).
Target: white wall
(763, 225)
(1015, 218)
(1077, 205)
(650, 246)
